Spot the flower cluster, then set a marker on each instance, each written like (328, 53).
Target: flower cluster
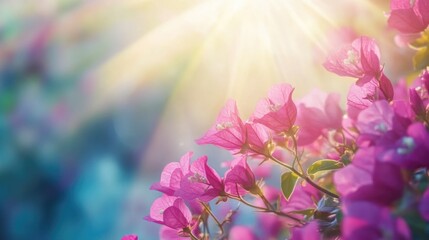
(361, 173)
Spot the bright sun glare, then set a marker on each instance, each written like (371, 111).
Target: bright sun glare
(218, 49)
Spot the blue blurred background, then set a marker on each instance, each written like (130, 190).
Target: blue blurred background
(96, 96)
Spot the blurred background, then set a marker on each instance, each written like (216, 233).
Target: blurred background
(96, 96)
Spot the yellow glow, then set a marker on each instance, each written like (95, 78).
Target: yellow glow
(218, 49)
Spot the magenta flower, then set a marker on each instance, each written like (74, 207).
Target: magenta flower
(172, 212)
(240, 175)
(362, 96)
(374, 121)
(365, 179)
(411, 150)
(130, 237)
(409, 16)
(360, 59)
(190, 181)
(317, 111)
(228, 132)
(366, 220)
(257, 138)
(278, 111)
(167, 233)
(308, 232)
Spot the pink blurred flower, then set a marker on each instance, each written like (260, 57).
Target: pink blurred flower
(360, 59)
(366, 220)
(241, 233)
(362, 96)
(278, 111)
(308, 232)
(317, 111)
(409, 16)
(228, 132)
(374, 121)
(130, 237)
(365, 178)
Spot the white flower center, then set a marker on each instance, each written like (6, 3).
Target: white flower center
(197, 178)
(407, 145)
(224, 125)
(352, 58)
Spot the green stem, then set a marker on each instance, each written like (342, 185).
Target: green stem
(207, 208)
(306, 178)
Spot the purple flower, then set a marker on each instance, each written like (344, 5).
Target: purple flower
(374, 121)
(411, 150)
(365, 179)
(366, 220)
(308, 232)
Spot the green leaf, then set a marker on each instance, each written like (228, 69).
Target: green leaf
(288, 183)
(324, 165)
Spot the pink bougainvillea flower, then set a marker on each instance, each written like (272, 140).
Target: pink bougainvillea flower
(366, 220)
(308, 232)
(190, 181)
(130, 237)
(241, 175)
(317, 111)
(278, 111)
(374, 121)
(172, 212)
(365, 179)
(417, 103)
(362, 96)
(411, 150)
(257, 138)
(241, 233)
(228, 132)
(167, 233)
(409, 16)
(360, 59)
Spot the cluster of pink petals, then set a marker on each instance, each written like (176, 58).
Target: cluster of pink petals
(360, 59)
(382, 140)
(317, 112)
(171, 212)
(190, 181)
(409, 16)
(277, 111)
